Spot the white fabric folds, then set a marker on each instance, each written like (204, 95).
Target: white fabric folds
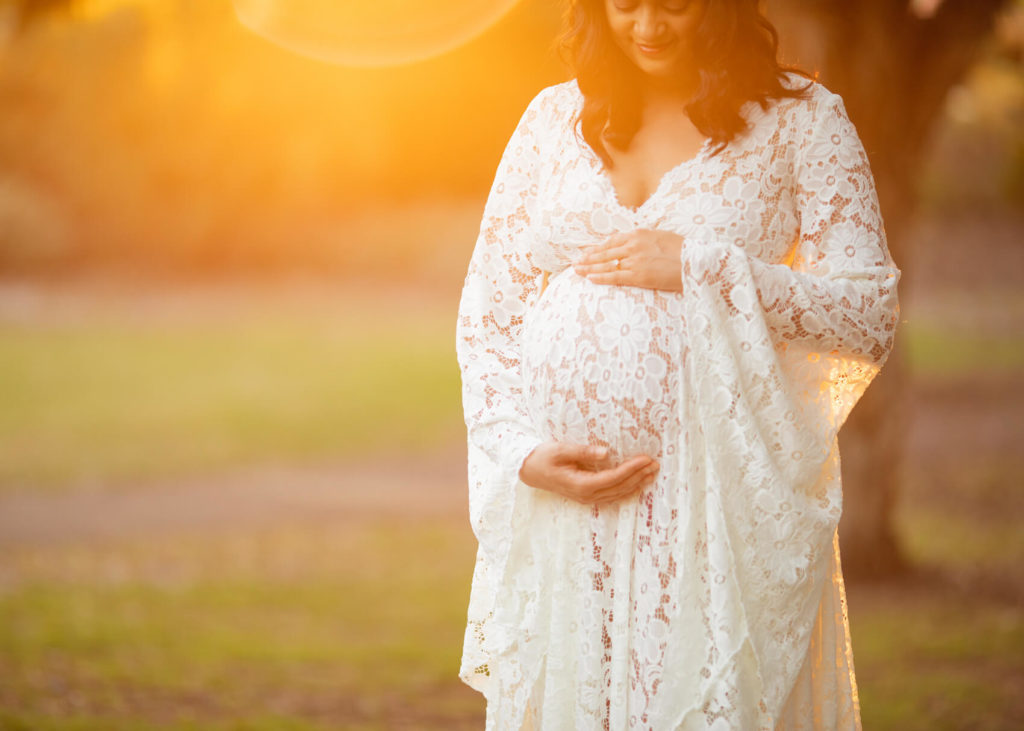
(714, 599)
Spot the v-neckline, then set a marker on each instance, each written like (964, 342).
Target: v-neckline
(599, 169)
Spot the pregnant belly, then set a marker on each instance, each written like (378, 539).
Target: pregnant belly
(601, 365)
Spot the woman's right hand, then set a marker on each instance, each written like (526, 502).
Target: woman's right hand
(585, 473)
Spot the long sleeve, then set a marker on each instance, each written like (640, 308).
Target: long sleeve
(498, 288)
(838, 294)
(778, 355)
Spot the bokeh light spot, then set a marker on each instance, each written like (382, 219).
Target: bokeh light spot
(370, 32)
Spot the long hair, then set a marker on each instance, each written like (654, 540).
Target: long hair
(735, 50)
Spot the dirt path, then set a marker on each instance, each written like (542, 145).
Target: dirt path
(428, 486)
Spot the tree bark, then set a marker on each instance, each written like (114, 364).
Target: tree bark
(893, 70)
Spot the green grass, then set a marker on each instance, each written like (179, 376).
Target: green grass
(937, 536)
(945, 652)
(935, 351)
(324, 628)
(102, 402)
(112, 397)
(932, 661)
(318, 627)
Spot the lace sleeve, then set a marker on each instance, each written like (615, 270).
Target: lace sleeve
(838, 296)
(497, 290)
(778, 355)
(500, 285)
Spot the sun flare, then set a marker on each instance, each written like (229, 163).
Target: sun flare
(378, 33)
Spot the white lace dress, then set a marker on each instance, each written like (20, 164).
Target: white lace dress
(714, 598)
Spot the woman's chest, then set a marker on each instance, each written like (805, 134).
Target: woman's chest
(744, 196)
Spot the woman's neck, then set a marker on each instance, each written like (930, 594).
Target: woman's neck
(661, 92)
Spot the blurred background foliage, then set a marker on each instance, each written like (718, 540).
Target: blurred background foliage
(163, 137)
(977, 156)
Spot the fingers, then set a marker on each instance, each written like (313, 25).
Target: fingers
(615, 475)
(605, 258)
(587, 485)
(590, 457)
(589, 475)
(621, 278)
(617, 261)
(611, 270)
(601, 267)
(642, 258)
(615, 241)
(637, 481)
(615, 246)
(600, 461)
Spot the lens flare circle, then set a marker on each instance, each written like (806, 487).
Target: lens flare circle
(370, 32)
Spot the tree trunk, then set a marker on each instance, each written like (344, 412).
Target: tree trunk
(893, 70)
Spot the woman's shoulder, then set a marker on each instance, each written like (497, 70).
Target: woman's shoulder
(795, 121)
(557, 102)
(561, 92)
(816, 100)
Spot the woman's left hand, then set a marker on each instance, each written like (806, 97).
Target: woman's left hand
(640, 258)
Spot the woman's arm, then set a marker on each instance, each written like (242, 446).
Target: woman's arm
(839, 294)
(499, 285)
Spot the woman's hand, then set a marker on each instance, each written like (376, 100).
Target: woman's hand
(586, 474)
(640, 258)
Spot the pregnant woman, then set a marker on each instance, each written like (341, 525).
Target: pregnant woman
(680, 289)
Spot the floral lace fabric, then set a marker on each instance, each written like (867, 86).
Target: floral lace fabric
(714, 598)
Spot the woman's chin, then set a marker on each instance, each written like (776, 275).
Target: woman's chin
(656, 68)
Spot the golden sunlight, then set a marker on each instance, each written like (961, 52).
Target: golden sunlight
(372, 32)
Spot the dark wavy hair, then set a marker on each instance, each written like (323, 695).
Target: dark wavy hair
(735, 49)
